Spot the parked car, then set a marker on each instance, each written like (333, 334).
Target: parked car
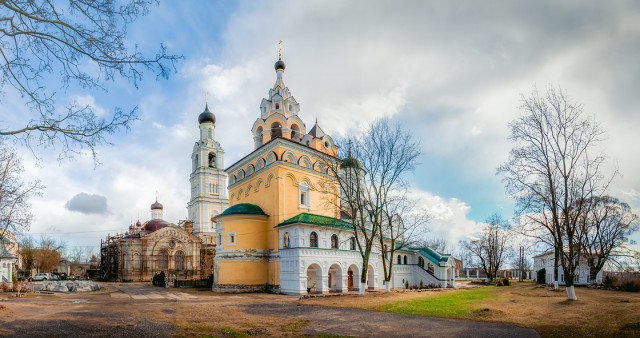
(60, 276)
(42, 276)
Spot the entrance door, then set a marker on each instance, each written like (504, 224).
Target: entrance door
(350, 285)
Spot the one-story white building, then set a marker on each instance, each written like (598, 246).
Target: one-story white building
(545, 261)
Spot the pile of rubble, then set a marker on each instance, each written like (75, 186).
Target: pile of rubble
(65, 286)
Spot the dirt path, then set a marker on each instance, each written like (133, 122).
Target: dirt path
(142, 310)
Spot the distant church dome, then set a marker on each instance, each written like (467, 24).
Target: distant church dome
(206, 116)
(279, 65)
(350, 162)
(156, 205)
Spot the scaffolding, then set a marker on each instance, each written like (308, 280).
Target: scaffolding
(140, 256)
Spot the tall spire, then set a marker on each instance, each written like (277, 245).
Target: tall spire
(279, 66)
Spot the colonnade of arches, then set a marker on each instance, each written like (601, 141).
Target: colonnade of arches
(336, 279)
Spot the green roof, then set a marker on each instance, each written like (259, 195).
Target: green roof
(243, 209)
(432, 255)
(326, 221)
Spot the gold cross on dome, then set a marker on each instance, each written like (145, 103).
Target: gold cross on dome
(280, 49)
(206, 98)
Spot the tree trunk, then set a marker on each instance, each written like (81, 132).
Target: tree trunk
(593, 273)
(571, 293)
(555, 270)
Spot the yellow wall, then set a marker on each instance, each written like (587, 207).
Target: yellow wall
(247, 273)
(275, 190)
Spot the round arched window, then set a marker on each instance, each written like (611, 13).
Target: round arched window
(313, 240)
(334, 241)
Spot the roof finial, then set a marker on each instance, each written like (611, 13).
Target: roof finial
(156, 196)
(280, 49)
(206, 97)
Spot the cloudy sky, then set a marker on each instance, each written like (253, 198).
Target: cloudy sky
(451, 72)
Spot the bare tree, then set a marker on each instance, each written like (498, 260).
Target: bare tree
(81, 44)
(521, 262)
(491, 248)
(403, 226)
(539, 227)
(605, 229)
(439, 244)
(368, 177)
(48, 254)
(75, 254)
(15, 212)
(552, 170)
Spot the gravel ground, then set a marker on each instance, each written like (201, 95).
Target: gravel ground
(141, 310)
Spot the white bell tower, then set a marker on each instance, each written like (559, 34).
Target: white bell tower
(208, 179)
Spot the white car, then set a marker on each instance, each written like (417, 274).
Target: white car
(41, 276)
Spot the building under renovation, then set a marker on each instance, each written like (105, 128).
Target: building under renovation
(157, 246)
(183, 251)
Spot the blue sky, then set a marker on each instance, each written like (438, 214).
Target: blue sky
(452, 72)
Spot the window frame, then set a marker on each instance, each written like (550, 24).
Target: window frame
(335, 242)
(304, 190)
(230, 236)
(311, 240)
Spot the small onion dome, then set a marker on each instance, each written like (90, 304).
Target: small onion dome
(138, 224)
(156, 205)
(350, 162)
(206, 116)
(279, 65)
(243, 209)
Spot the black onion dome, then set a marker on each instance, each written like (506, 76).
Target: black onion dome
(350, 162)
(206, 116)
(279, 65)
(156, 205)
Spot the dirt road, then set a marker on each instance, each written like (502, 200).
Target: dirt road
(136, 309)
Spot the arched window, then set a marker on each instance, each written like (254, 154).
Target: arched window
(334, 241)
(353, 243)
(163, 260)
(286, 241)
(259, 137)
(399, 259)
(295, 131)
(277, 106)
(421, 262)
(290, 108)
(405, 259)
(212, 160)
(179, 260)
(313, 240)
(195, 162)
(276, 130)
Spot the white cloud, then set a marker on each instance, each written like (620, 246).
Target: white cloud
(448, 216)
(451, 71)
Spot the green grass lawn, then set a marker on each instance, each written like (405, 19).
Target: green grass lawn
(450, 304)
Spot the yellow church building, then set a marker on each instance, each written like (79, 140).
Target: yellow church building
(282, 230)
